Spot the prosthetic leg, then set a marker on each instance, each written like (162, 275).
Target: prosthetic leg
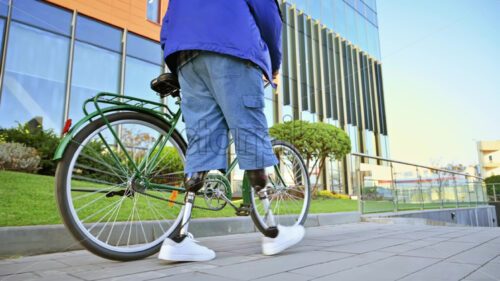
(276, 238)
(192, 182)
(183, 247)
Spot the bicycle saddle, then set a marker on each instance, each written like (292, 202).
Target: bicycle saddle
(167, 84)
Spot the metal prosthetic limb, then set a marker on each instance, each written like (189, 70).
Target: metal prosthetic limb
(192, 182)
(258, 181)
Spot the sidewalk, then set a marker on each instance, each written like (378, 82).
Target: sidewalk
(358, 251)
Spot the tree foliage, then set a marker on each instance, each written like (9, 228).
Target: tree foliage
(315, 141)
(493, 182)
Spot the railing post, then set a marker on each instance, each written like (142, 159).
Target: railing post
(420, 192)
(477, 195)
(468, 195)
(440, 190)
(394, 190)
(359, 192)
(456, 191)
(494, 192)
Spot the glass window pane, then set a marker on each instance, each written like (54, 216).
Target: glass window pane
(98, 33)
(43, 15)
(4, 7)
(153, 10)
(351, 25)
(143, 48)
(35, 78)
(94, 70)
(2, 27)
(328, 14)
(315, 9)
(350, 2)
(340, 21)
(362, 37)
(302, 5)
(138, 76)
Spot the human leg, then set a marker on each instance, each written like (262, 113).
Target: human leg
(206, 130)
(239, 91)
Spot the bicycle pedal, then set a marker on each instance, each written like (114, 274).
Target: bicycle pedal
(243, 210)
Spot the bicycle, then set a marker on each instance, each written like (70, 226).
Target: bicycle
(120, 173)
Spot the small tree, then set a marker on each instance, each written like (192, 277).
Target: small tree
(315, 141)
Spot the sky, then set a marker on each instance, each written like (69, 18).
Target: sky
(441, 71)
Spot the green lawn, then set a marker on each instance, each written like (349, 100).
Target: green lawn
(28, 199)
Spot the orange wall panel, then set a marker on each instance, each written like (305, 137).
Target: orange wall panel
(130, 14)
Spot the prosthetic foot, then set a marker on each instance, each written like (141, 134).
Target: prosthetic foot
(277, 237)
(183, 247)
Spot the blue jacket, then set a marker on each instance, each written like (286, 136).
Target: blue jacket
(248, 29)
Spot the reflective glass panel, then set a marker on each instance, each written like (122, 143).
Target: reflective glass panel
(94, 70)
(372, 45)
(351, 25)
(154, 10)
(43, 15)
(328, 14)
(4, 7)
(2, 26)
(35, 78)
(340, 20)
(143, 48)
(302, 5)
(315, 9)
(138, 75)
(98, 33)
(362, 36)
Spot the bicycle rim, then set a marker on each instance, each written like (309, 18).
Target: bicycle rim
(288, 191)
(102, 201)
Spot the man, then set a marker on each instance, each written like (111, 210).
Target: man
(220, 49)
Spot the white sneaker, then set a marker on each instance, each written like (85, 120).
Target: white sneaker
(287, 237)
(187, 250)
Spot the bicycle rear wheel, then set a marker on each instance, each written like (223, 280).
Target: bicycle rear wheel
(101, 198)
(285, 200)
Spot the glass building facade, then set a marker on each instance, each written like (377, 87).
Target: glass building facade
(54, 58)
(332, 73)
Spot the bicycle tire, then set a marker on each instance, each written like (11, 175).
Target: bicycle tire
(64, 205)
(300, 219)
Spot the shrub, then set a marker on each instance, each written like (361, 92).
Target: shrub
(341, 196)
(44, 141)
(18, 157)
(325, 194)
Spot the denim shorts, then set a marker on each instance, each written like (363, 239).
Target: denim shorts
(222, 94)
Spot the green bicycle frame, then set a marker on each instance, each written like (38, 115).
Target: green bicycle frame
(118, 103)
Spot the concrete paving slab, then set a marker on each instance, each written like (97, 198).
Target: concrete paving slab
(490, 271)
(391, 268)
(357, 251)
(442, 271)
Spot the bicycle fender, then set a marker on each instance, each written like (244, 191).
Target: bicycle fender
(76, 128)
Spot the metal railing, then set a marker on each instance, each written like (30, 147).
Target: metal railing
(493, 191)
(384, 185)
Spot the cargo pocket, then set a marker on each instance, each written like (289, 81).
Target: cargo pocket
(254, 101)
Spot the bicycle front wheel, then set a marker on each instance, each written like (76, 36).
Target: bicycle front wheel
(285, 201)
(102, 197)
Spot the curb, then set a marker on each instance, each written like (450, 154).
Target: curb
(43, 239)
